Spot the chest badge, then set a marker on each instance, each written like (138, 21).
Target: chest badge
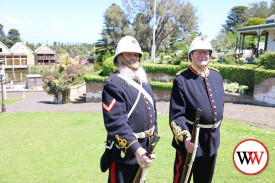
(109, 108)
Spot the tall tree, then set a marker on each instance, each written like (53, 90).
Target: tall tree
(2, 33)
(13, 37)
(254, 21)
(224, 41)
(235, 19)
(258, 10)
(271, 10)
(173, 17)
(116, 24)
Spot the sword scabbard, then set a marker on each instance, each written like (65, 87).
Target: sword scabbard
(191, 156)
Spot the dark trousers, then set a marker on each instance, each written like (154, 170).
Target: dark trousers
(202, 169)
(121, 173)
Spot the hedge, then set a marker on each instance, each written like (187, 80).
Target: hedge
(161, 85)
(170, 70)
(261, 74)
(98, 79)
(240, 74)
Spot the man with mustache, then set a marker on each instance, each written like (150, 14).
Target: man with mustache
(129, 112)
(197, 87)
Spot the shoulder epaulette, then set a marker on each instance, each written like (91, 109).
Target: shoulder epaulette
(213, 69)
(181, 71)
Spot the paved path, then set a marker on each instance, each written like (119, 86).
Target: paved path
(259, 116)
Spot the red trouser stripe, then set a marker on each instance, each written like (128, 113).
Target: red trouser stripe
(113, 172)
(177, 168)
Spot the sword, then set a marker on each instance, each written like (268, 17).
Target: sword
(191, 156)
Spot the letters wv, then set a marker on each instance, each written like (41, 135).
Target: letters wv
(249, 157)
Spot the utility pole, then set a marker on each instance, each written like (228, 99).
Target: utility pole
(2, 77)
(153, 51)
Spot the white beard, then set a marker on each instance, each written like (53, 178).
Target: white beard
(139, 74)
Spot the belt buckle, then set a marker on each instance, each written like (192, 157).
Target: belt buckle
(213, 127)
(109, 146)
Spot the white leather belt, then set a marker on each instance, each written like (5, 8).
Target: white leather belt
(145, 134)
(213, 126)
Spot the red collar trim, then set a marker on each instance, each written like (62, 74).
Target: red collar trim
(194, 70)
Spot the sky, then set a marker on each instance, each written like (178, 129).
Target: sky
(81, 21)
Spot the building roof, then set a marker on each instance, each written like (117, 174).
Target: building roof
(4, 46)
(253, 30)
(16, 46)
(270, 19)
(44, 49)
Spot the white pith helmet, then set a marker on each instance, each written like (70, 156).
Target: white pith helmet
(127, 44)
(200, 43)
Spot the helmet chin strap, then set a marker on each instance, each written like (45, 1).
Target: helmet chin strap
(120, 57)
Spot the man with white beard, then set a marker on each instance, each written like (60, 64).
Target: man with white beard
(129, 112)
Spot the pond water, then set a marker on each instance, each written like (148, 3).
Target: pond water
(17, 76)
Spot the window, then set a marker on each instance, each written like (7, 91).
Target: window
(0, 49)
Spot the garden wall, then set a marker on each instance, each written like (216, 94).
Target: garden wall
(265, 91)
(94, 91)
(76, 92)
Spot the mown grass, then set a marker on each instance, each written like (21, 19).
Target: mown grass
(10, 101)
(66, 147)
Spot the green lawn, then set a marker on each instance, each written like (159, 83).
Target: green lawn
(66, 147)
(10, 101)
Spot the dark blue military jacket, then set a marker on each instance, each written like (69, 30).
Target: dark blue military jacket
(190, 92)
(118, 97)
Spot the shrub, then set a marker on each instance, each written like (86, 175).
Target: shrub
(167, 59)
(108, 66)
(61, 81)
(228, 59)
(267, 60)
(236, 88)
(101, 58)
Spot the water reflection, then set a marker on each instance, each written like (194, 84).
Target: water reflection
(17, 76)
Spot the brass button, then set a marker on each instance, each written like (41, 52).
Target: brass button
(216, 113)
(214, 107)
(149, 108)
(144, 97)
(208, 84)
(209, 89)
(151, 122)
(151, 115)
(213, 100)
(211, 95)
(146, 102)
(215, 119)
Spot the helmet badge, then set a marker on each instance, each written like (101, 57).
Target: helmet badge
(202, 38)
(134, 41)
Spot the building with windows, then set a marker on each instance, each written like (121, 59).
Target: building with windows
(17, 57)
(44, 55)
(267, 30)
